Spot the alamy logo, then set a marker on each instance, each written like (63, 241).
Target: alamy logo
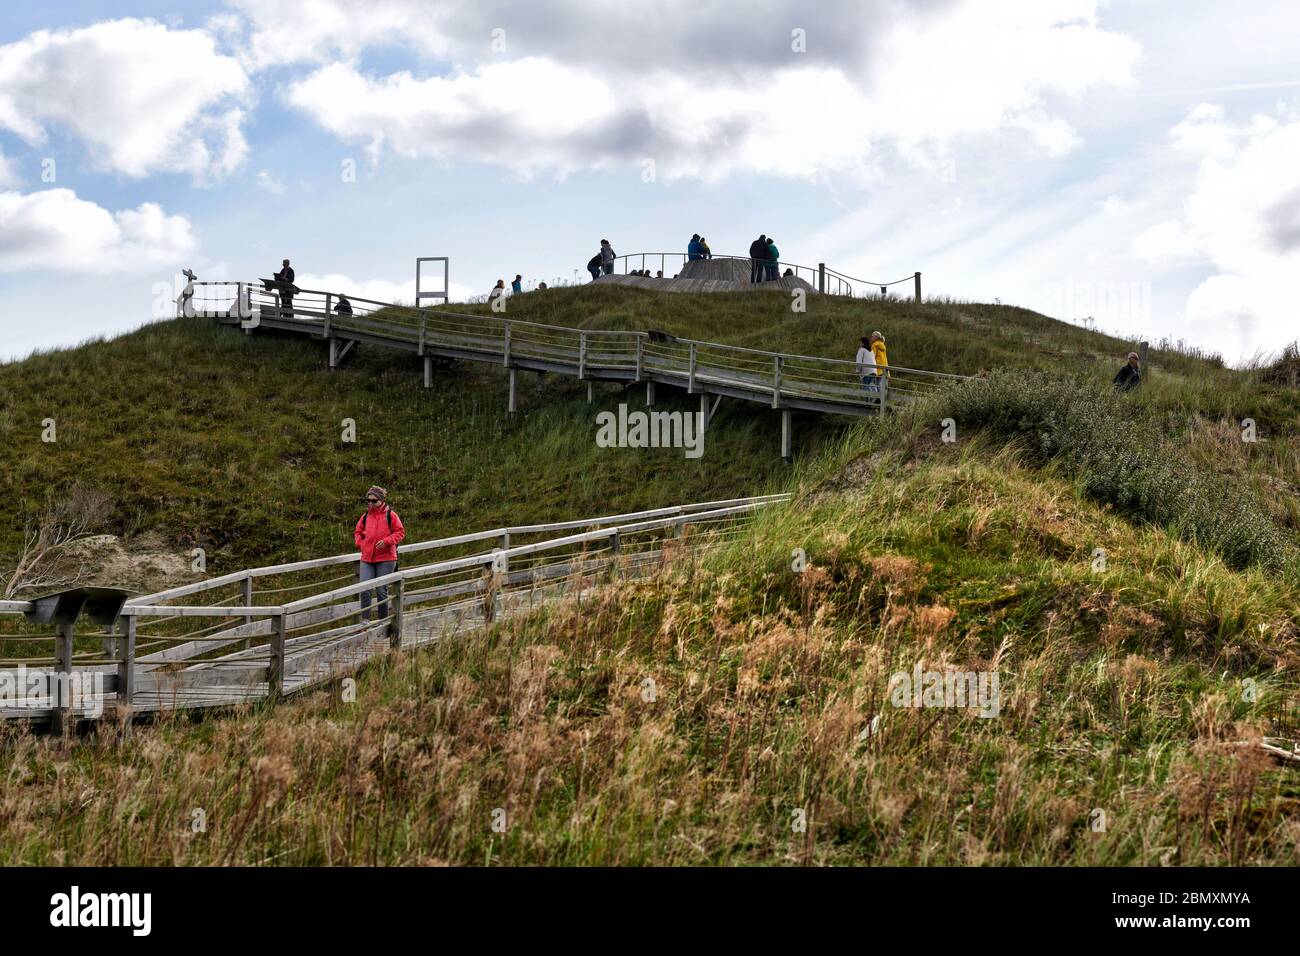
(103, 909)
(78, 690)
(651, 430)
(946, 689)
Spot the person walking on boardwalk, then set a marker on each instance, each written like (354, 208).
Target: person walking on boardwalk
(757, 258)
(377, 536)
(285, 277)
(1130, 376)
(872, 362)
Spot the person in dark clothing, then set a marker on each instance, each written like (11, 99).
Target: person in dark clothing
(773, 255)
(757, 258)
(1130, 376)
(344, 307)
(705, 251)
(693, 248)
(593, 266)
(285, 275)
(518, 284)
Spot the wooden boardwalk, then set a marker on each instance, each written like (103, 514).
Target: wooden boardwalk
(273, 631)
(782, 381)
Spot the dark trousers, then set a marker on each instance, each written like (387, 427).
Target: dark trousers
(286, 306)
(595, 272)
(755, 270)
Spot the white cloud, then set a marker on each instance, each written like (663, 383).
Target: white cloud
(932, 73)
(1243, 215)
(267, 181)
(55, 230)
(143, 98)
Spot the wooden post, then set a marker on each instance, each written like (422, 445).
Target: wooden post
(396, 594)
(329, 298)
(821, 277)
(490, 595)
(428, 371)
(615, 546)
(918, 288)
(61, 705)
(1142, 361)
(419, 349)
(275, 670)
(511, 403)
(582, 355)
(126, 666)
(650, 394)
(638, 358)
(787, 438)
(778, 365)
(704, 408)
(246, 594)
(334, 353)
(884, 391)
(690, 383)
(591, 392)
(506, 353)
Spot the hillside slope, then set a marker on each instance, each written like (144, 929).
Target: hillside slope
(1127, 566)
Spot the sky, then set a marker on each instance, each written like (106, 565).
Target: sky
(1134, 164)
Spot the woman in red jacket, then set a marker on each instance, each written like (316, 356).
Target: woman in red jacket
(377, 535)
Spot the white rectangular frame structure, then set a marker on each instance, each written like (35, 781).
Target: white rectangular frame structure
(420, 294)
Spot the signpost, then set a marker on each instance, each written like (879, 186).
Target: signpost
(420, 292)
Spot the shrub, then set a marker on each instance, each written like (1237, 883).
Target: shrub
(1122, 456)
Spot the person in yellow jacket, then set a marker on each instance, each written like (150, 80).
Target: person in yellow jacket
(873, 362)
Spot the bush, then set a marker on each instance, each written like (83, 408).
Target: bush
(1122, 456)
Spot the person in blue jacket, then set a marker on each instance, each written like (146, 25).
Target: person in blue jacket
(693, 250)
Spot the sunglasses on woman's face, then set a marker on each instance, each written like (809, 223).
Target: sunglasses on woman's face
(372, 501)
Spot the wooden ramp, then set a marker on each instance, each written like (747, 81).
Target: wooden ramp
(234, 640)
(782, 381)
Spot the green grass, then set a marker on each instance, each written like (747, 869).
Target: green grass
(1131, 688)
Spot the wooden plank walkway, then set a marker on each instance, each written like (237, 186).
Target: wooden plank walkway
(218, 655)
(783, 381)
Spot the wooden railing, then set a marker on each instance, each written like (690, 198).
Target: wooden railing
(777, 379)
(268, 631)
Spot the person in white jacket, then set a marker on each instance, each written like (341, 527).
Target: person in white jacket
(867, 366)
(606, 256)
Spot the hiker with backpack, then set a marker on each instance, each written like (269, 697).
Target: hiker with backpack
(377, 534)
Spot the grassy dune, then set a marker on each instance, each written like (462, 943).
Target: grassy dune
(733, 710)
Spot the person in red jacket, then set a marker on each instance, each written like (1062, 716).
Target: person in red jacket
(377, 535)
